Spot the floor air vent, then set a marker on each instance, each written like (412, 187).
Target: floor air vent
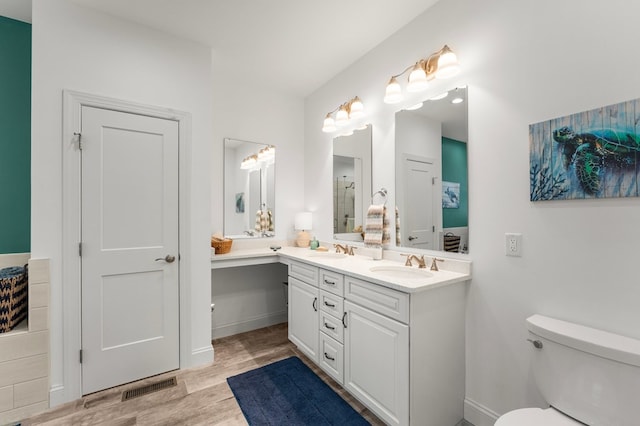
(150, 388)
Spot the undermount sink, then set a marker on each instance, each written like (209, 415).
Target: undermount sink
(328, 255)
(402, 272)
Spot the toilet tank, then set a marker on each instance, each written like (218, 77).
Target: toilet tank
(588, 374)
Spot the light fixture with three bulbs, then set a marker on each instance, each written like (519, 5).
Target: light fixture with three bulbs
(441, 64)
(265, 155)
(346, 112)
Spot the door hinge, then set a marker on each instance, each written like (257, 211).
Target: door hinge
(80, 356)
(78, 136)
(80, 249)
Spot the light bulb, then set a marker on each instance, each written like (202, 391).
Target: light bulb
(393, 93)
(342, 116)
(417, 79)
(414, 107)
(357, 109)
(447, 64)
(440, 96)
(329, 125)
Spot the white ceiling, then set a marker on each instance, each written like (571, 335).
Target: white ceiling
(293, 46)
(16, 9)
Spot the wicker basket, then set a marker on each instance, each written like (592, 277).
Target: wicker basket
(13, 297)
(221, 246)
(451, 242)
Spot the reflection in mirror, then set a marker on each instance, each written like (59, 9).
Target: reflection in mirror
(249, 189)
(351, 183)
(431, 174)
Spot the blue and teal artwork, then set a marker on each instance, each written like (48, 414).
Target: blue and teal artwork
(592, 154)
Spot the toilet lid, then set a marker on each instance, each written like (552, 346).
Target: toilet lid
(536, 417)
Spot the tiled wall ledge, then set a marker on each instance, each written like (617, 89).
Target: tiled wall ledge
(24, 351)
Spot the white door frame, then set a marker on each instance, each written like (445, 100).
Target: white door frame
(71, 225)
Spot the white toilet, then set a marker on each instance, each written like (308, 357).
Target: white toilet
(587, 376)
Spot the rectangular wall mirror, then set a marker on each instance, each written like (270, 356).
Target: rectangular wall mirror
(351, 183)
(249, 189)
(431, 173)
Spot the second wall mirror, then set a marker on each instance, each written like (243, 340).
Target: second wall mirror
(249, 189)
(351, 183)
(431, 173)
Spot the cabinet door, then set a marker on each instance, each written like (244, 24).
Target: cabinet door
(303, 317)
(376, 362)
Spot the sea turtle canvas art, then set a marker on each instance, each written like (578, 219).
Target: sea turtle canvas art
(592, 154)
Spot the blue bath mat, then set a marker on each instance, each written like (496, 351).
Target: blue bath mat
(287, 392)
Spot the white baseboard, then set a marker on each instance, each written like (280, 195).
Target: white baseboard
(56, 396)
(250, 324)
(201, 356)
(478, 414)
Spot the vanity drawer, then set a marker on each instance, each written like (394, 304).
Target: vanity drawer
(332, 282)
(331, 303)
(331, 358)
(383, 300)
(304, 272)
(332, 326)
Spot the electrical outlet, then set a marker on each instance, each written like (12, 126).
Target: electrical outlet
(513, 244)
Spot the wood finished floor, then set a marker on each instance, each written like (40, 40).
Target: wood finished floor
(202, 396)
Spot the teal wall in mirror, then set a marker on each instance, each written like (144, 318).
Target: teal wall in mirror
(454, 169)
(15, 139)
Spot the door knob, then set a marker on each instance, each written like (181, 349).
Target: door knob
(168, 258)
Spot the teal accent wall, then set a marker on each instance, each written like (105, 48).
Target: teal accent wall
(15, 136)
(454, 169)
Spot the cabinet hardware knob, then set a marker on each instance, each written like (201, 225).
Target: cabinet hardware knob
(329, 326)
(329, 282)
(331, 305)
(327, 356)
(536, 343)
(315, 306)
(344, 317)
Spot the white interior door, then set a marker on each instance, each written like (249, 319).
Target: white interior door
(129, 251)
(418, 205)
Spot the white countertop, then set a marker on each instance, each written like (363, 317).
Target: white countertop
(358, 266)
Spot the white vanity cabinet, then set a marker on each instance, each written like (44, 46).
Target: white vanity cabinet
(401, 354)
(377, 349)
(303, 308)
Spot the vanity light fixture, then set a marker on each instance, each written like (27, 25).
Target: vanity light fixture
(346, 112)
(265, 155)
(441, 64)
(249, 162)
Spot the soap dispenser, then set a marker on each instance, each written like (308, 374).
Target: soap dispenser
(314, 244)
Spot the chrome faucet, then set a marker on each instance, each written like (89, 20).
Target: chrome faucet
(342, 249)
(420, 260)
(434, 263)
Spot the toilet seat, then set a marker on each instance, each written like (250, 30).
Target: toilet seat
(536, 417)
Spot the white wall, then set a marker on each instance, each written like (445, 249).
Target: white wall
(79, 49)
(525, 62)
(243, 110)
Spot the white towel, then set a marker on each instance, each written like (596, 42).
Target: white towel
(376, 232)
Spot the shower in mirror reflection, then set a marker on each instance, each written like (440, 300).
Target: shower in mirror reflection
(344, 203)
